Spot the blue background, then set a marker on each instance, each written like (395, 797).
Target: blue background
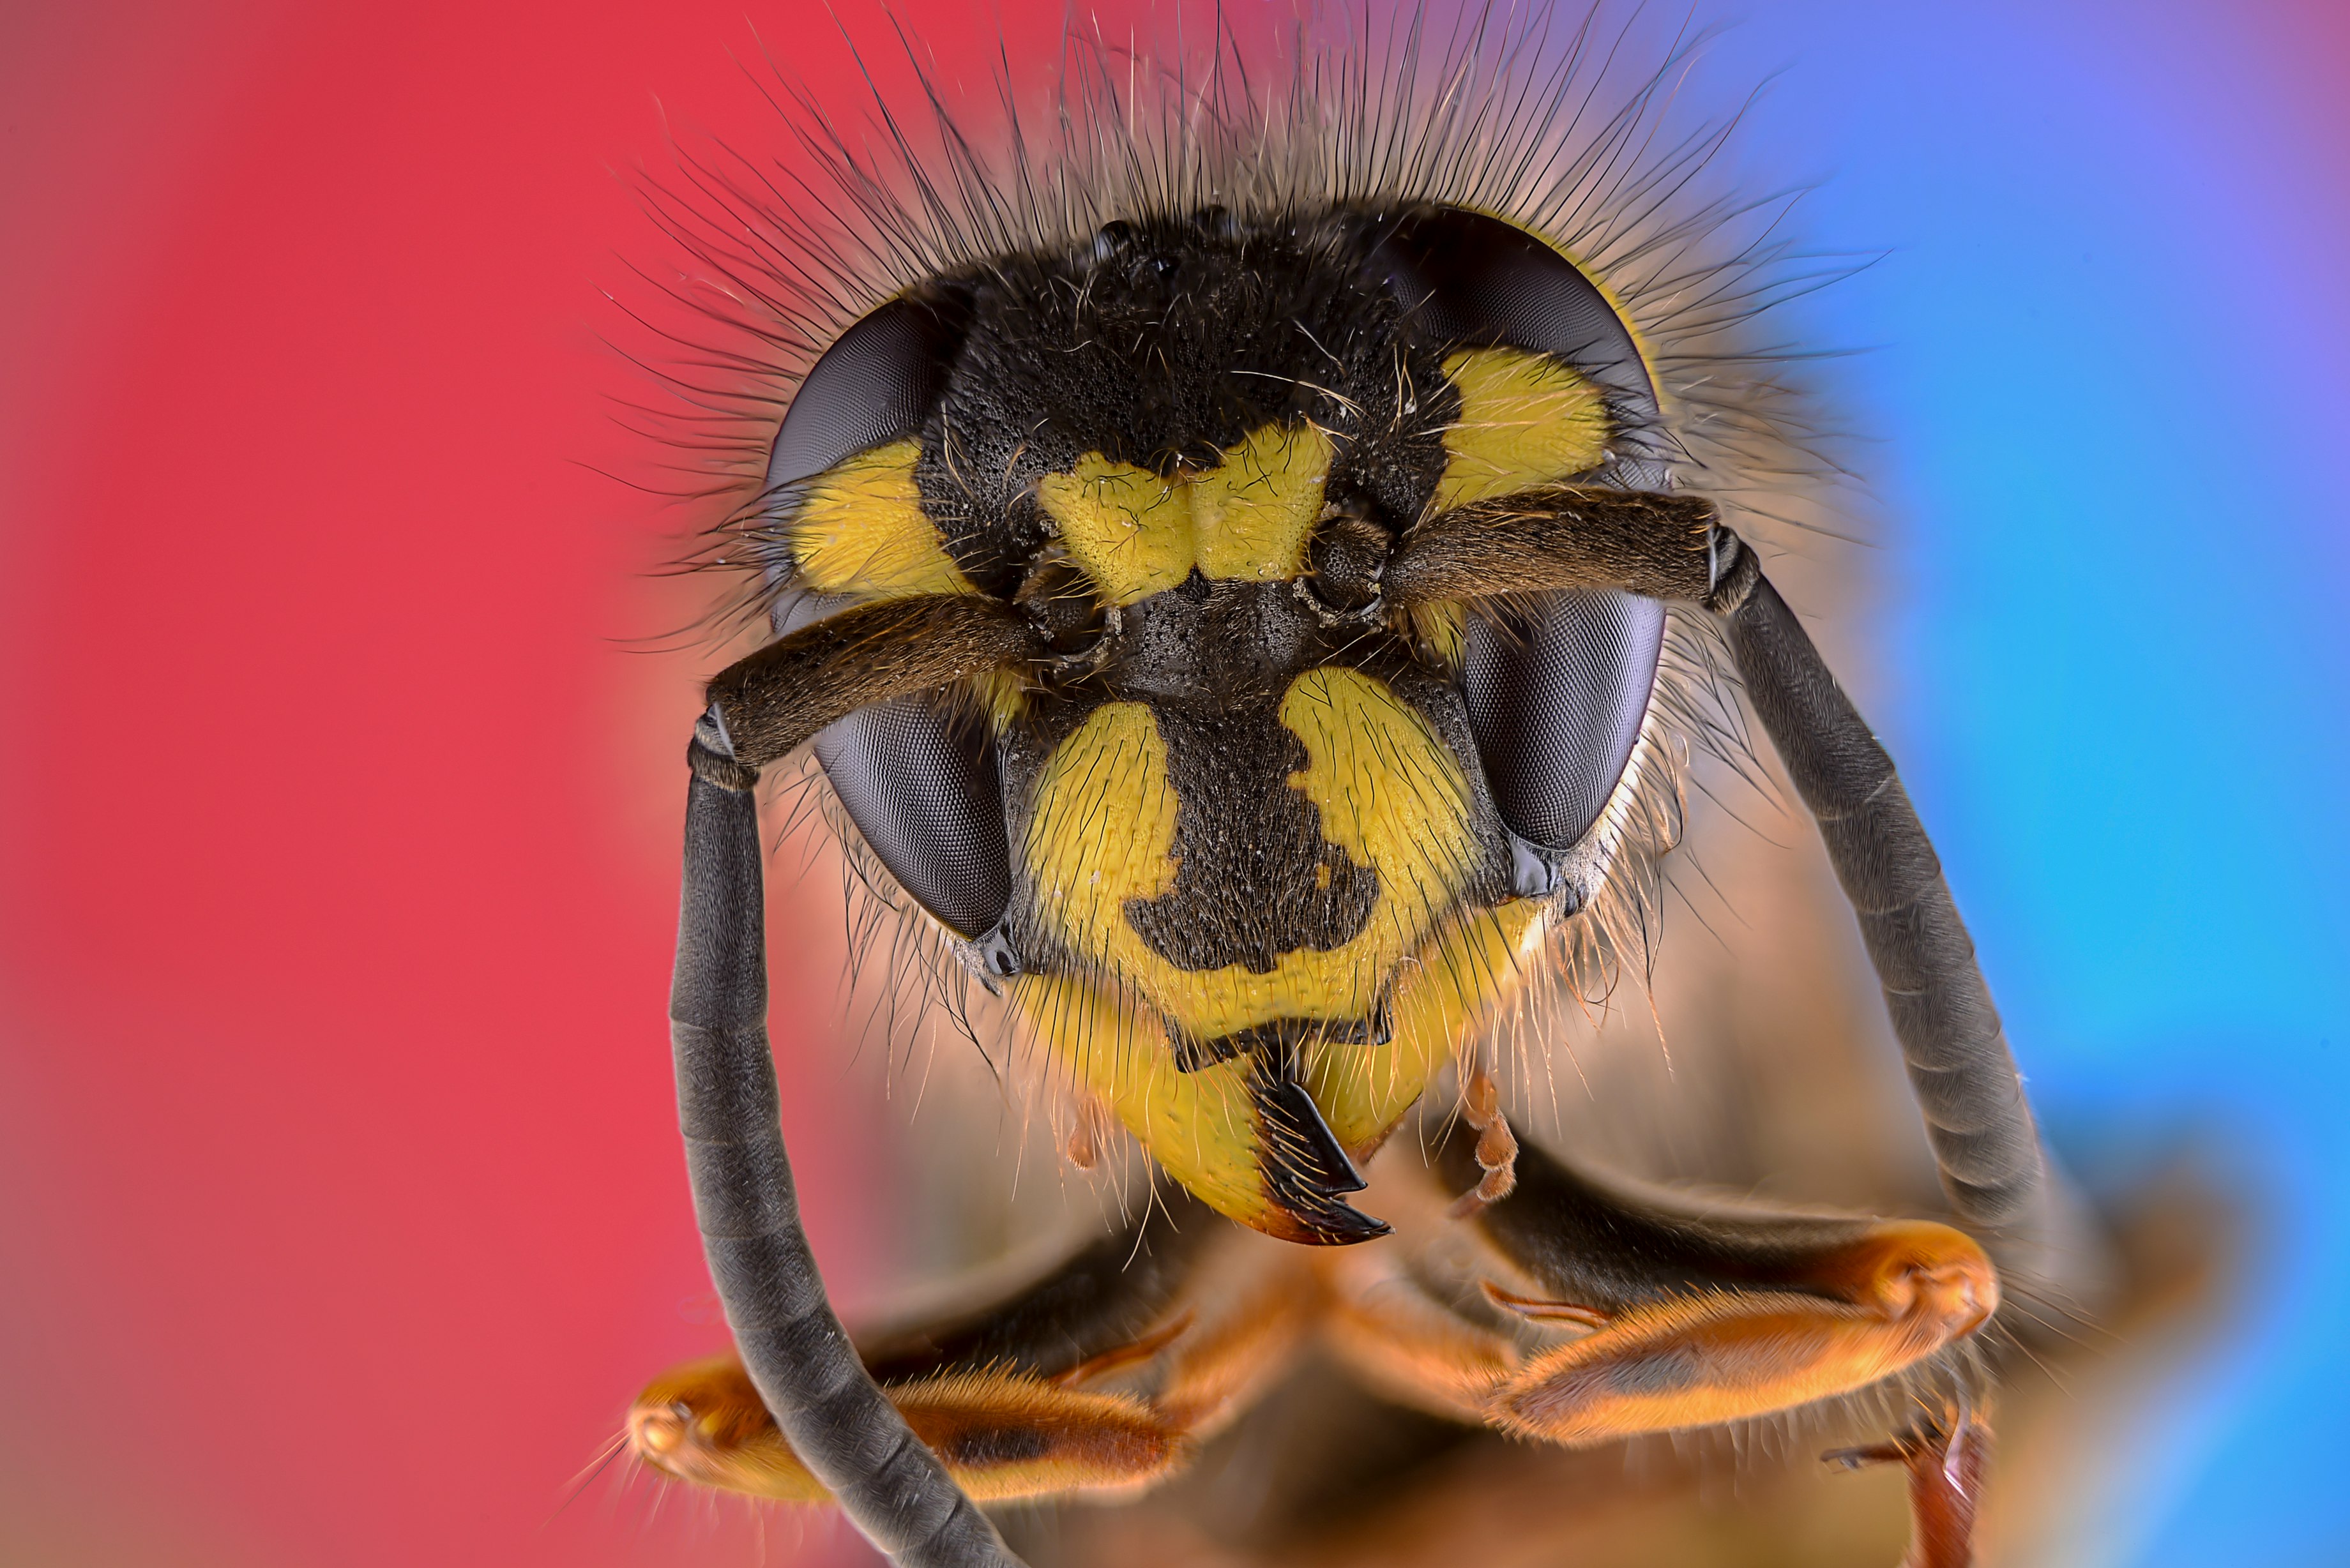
(2106, 380)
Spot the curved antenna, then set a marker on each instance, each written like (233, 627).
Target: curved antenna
(828, 1406)
(1960, 1069)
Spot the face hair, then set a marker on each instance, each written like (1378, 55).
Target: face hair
(1230, 460)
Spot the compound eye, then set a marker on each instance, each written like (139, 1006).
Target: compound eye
(878, 383)
(920, 779)
(918, 776)
(1556, 695)
(1556, 691)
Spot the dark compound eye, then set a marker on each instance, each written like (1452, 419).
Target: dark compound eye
(918, 776)
(1556, 693)
(1556, 699)
(877, 383)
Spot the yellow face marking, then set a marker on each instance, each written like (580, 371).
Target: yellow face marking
(1388, 793)
(1128, 528)
(1248, 518)
(1200, 1127)
(862, 531)
(1449, 993)
(1254, 512)
(1526, 419)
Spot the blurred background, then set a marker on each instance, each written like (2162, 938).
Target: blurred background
(338, 807)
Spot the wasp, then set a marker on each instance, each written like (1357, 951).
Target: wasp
(1228, 577)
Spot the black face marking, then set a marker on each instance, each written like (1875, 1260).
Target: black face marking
(1257, 879)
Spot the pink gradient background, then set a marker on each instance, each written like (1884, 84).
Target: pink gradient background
(345, 1209)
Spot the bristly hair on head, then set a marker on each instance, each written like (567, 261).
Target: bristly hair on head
(1566, 125)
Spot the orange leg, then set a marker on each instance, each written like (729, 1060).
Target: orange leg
(1946, 1457)
(1878, 1306)
(1631, 1310)
(1002, 1395)
(1000, 1435)
(1384, 1324)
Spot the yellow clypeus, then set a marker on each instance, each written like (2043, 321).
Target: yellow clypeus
(1388, 793)
(1248, 518)
(1447, 995)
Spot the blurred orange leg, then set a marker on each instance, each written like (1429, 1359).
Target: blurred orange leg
(1404, 1344)
(1902, 1291)
(1004, 1396)
(1946, 1457)
(1000, 1435)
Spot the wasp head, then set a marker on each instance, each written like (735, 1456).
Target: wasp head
(1255, 849)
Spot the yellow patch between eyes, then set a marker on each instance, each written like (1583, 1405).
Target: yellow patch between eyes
(1526, 419)
(1388, 793)
(862, 531)
(1248, 518)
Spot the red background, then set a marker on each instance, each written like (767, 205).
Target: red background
(342, 811)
